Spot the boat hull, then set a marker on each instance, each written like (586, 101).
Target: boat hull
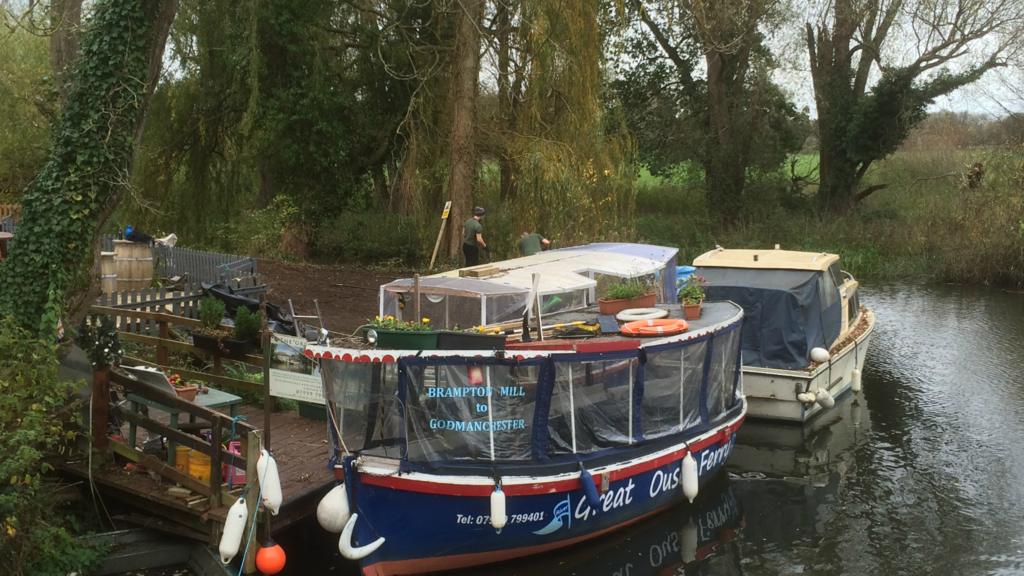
(432, 523)
(772, 394)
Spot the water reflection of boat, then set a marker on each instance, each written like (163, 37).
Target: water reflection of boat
(685, 539)
(805, 335)
(813, 453)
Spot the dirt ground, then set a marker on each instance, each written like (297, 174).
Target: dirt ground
(348, 294)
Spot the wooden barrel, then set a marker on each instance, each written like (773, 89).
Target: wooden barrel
(133, 262)
(108, 273)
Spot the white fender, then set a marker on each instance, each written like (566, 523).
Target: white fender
(855, 381)
(806, 397)
(691, 484)
(498, 517)
(688, 550)
(633, 314)
(820, 355)
(333, 511)
(825, 399)
(234, 527)
(355, 552)
(270, 482)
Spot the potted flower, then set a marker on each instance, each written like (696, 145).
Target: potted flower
(98, 339)
(185, 390)
(478, 338)
(210, 334)
(245, 335)
(632, 293)
(691, 296)
(389, 332)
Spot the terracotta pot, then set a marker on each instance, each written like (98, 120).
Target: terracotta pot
(691, 311)
(612, 307)
(187, 392)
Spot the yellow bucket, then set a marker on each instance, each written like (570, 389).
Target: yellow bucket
(199, 466)
(181, 458)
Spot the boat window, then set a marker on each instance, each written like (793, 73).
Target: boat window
(444, 310)
(504, 308)
(481, 412)
(364, 406)
(722, 374)
(829, 291)
(564, 301)
(599, 395)
(672, 380)
(852, 307)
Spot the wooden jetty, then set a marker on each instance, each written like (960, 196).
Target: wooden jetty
(164, 497)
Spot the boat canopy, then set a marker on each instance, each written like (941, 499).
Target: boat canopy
(536, 410)
(788, 312)
(569, 278)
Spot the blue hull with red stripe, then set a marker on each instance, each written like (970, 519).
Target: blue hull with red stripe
(436, 522)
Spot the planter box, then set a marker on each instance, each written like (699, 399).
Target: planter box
(405, 340)
(613, 307)
(312, 411)
(470, 341)
(237, 348)
(206, 342)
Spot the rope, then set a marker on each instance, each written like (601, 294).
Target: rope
(234, 457)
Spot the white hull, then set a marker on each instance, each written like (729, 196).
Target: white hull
(772, 394)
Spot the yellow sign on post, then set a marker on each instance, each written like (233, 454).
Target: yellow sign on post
(444, 220)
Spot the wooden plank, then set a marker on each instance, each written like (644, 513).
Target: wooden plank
(174, 434)
(153, 463)
(252, 454)
(194, 375)
(172, 401)
(178, 320)
(156, 342)
(215, 468)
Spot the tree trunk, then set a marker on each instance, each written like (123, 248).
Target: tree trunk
(726, 163)
(66, 20)
(506, 168)
(405, 197)
(84, 177)
(462, 164)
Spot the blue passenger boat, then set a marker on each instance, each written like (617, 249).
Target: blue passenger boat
(455, 458)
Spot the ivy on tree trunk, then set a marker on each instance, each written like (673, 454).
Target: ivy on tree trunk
(66, 205)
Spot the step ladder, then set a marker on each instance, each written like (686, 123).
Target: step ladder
(322, 334)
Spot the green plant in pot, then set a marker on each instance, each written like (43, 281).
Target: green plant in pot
(245, 336)
(691, 296)
(625, 294)
(389, 332)
(210, 334)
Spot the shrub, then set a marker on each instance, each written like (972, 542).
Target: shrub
(36, 410)
(371, 237)
(247, 325)
(263, 232)
(211, 312)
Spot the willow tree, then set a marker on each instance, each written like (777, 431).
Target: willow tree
(87, 168)
(869, 95)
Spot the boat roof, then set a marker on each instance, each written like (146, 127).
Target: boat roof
(560, 270)
(770, 259)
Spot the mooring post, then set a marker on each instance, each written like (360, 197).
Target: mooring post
(416, 296)
(252, 494)
(100, 407)
(267, 342)
(161, 348)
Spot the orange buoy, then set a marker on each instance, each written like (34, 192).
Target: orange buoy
(660, 327)
(270, 559)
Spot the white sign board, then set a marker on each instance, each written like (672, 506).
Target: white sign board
(292, 375)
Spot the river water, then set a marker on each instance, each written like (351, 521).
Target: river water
(921, 473)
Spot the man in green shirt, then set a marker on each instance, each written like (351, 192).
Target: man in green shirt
(473, 237)
(530, 244)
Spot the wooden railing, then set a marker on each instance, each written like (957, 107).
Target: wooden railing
(163, 344)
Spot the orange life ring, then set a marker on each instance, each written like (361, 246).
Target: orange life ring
(660, 327)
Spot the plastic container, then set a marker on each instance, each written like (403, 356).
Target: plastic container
(181, 457)
(406, 340)
(233, 475)
(199, 466)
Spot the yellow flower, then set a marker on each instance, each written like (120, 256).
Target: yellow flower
(376, 318)
(11, 531)
(425, 320)
(389, 317)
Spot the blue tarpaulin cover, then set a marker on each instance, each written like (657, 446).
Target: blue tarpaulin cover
(786, 312)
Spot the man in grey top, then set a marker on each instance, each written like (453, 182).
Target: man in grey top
(473, 237)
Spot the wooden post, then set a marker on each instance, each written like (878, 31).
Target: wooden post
(100, 407)
(161, 349)
(215, 472)
(416, 295)
(268, 400)
(252, 455)
(440, 233)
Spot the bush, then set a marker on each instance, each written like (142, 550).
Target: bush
(263, 232)
(627, 289)
(211, 312)
(36, 412)
(247, 325)
(371, 237)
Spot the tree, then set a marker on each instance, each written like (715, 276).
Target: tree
(466, 73)
(954, 43)
(90, 156)
(720, 113)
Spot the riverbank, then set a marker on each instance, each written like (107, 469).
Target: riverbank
(929, 224)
